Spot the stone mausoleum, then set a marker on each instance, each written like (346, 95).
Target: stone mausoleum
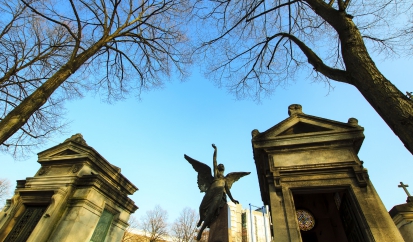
(76, 195)
(315, 184)
(402, 216)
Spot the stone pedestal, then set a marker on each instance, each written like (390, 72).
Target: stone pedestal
(219, 230)
(76, 195)
(402, 216)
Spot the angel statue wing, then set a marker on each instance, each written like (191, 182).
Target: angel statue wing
(233, 177)
(205, 178)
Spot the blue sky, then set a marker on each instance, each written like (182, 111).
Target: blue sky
(147, 138)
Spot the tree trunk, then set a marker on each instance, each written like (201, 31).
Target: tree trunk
(389, 102)
(20, 114)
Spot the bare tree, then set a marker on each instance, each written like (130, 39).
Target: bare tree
(29, 52)
(131, 233)
(4, 189)
(113, 47)
(184, 228)
(154, 224)
(261, 44)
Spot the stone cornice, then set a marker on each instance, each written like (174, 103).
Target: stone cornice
(101, 185)
(85, 154)
(354, 138)
(405, 210)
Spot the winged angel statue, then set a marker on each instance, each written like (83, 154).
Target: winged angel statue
(215, 187)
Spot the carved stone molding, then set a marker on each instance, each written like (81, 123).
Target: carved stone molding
(44, 170)
(76, 168)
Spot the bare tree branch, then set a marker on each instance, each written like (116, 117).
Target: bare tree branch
(4, 189)
(62, 51)
(184, 228)
(155, 225)
(258, 45)
(315, 61)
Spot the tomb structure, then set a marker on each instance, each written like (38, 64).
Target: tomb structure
(314, 183)
(76, 195)
(402, 215)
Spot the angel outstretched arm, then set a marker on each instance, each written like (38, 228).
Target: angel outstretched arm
(215, 160)
(227, 190)
(230, 179)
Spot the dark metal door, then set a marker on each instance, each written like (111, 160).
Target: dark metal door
(27, 222)
(355, 229)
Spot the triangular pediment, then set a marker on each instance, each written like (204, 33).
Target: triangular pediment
(302, 127)
(65, 150)
(301, 131)
(73, 146)
(302, 124)
(65, 153)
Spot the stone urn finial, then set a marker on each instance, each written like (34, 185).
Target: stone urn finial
(77, 138)
(295, 109)
(255, 132)
(353, 122)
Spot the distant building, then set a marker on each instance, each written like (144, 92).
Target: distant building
(136, 235)
(248, 225)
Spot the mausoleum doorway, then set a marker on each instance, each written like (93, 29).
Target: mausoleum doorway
(326, 215)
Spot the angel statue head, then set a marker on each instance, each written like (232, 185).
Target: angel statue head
(215, 187)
